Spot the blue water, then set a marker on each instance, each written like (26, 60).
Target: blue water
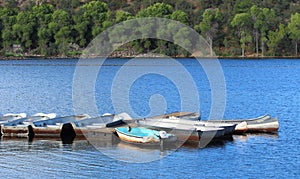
(253, 88)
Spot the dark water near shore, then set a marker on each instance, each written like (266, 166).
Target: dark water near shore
(253, 88)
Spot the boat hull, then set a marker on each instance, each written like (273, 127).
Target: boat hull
(210, 134)
(60, 120)
(265, 127)
(186, 130)
(140, 135)
(132, 139)
(91, 131)
(47, 131)
(15, 131)
(180, 115)
(229, 128)
(261, 124)
(181, 131)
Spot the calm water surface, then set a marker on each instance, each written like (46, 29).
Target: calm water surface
(253, 88)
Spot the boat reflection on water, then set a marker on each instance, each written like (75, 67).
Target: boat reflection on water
(214, 143)
(113, 147)
(96, 142)
(161, 150)
(24, 144)
(247, 136)
(132, 153)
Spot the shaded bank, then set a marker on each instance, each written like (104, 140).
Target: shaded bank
(147, 57)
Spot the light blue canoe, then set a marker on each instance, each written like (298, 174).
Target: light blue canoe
(143, 135)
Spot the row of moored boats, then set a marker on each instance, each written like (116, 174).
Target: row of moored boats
(178, 126)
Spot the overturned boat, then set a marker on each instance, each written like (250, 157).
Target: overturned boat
(194, 116)
(22, 126)
(265, 124)
(184, 131)
(229, 128)
(53, 127)
(10, 117)
(101, 126)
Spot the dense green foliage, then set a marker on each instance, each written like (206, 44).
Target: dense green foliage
(231, 27)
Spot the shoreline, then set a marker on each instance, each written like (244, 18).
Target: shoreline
(148, 57)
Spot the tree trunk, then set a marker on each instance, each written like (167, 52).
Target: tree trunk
(262, 47)
(243, 52)
(296, 49)
(256, 39)
(210, 43)
(211, 46)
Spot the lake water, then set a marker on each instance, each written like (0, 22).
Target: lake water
(253, 88)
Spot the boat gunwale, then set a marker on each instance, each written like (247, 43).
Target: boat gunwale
(260, 119)
(148, 134)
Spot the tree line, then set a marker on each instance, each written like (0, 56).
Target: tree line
(231, 28)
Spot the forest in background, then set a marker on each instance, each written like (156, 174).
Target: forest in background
(232, 28)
